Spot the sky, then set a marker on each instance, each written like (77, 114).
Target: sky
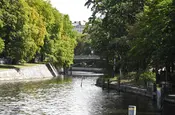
(74, 8)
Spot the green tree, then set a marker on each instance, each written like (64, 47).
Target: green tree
(19, 45)
(152, 39)
(66, 45)
(45, 11)
(109, 32)
(1, 26)
(1, 45)
(83, 45)
(34, 29)
(152, 43)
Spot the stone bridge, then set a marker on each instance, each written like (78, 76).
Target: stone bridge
(87, 63)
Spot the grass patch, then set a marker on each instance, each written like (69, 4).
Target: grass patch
(131, 79)
(26, 65)
(114, 78)
(9, 66)
(125, 80)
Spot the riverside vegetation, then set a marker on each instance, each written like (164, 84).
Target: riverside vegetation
(134, 36)
(33, 29)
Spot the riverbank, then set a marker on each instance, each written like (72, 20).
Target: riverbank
(124, 88)
(39, 71)
(129, 88)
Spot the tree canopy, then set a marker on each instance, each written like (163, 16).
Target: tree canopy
(33, 29)
(138, 33)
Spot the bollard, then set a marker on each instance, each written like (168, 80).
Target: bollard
(132, 110)
(103, 84)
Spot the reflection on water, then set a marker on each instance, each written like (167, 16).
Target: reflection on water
(68, 97)
(83, 73)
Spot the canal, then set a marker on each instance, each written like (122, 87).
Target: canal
(71, 96)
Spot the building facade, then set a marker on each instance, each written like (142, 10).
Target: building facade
(79, 26)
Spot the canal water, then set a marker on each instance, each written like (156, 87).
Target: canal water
(71, 96)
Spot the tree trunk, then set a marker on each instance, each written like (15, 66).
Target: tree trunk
(120, 76)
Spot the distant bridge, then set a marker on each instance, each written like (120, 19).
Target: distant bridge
(86, 57)
(86, 63)
(85, 71)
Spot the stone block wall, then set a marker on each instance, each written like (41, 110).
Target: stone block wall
(26, 73)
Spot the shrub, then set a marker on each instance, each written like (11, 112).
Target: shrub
(148, 76)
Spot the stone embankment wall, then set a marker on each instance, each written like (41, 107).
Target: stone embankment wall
(27, 73)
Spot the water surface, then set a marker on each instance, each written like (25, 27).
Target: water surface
(74, 96)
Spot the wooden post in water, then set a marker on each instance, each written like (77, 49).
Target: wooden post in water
(108, 84)
(81, 81)
(103, 83)
(71, 70)
(132, 110)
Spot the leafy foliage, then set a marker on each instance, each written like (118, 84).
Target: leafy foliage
(34, 29)
(138, 33)
(1, 45)
(148, 76)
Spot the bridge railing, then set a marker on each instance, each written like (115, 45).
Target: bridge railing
(86, 69)
(87, 57)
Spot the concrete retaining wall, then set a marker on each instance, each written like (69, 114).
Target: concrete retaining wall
(26, 73)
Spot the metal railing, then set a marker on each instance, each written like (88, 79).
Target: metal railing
(87, 57)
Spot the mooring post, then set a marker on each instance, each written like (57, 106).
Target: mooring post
(71, 70)
(103, 83)
(81, 81)
(154, 92)
(132, 110)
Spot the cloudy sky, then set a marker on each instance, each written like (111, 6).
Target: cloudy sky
(74, 8)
